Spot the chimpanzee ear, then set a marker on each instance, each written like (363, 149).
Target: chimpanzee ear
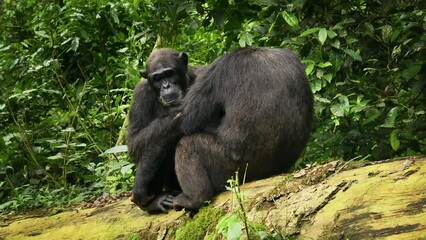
(183, 57)
(143, 74)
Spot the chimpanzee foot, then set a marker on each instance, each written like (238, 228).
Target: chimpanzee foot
(160, 203)
(140, 199)
(183, 201)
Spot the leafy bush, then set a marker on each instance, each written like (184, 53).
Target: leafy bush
(67, 69)
(67, 73)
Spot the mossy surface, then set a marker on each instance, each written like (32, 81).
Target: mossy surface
(120, 220)
(380, 201)
(200, 225)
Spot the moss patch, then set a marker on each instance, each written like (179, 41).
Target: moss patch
(203, 222)
(115, 221)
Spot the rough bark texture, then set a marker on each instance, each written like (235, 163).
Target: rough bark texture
(385, 200)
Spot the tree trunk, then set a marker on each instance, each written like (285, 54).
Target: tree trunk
(383, 200)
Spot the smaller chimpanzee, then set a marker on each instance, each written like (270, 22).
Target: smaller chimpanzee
(152, 133)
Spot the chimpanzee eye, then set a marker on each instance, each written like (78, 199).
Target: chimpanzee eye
(169, 73)
(155, 78)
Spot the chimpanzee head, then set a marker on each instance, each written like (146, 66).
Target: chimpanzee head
(167, 75)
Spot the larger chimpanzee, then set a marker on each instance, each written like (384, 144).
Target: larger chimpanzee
(250, 107)
(152, 135)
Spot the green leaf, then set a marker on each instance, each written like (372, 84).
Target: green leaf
(395, 34)
(136, 3)
(242, 43)
(328, 77)
(245, 39)
(112, 178)
(340, 108)
(55, 157)
(351, 40)
(337, 110)
(390, 118)
(290, 18)
(319, 73)
(310, 31)
(117, 165)
(321, 100)
(62, 146)
(331, 34)
(336, 124)
(324, 64)
(123, 50)
(337, 61)
(394, 141)
(81, 197)
(54, 212)
(126, 168)
(322, 35)
(309, 68)
(117, 149)
(234, 228)
(353, 54)
(41, 34)
(113, 14)
(5, 48)
(69, 129)
(316, 85)
(386, 33)
(411, 72)
(335, 43)
(369, 29)
(371, 118)
(421, 112)
(74, 44)
(396, 51)
(8, 204)
(221, 225)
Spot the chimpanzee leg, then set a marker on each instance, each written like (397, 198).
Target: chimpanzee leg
(202, 169)
(164, 187)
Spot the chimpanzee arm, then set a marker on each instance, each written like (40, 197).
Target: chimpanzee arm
(158, 134)
(146, 125)
(202, 109)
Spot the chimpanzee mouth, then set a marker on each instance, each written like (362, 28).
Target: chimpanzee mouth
(170, 99)
(167, 102)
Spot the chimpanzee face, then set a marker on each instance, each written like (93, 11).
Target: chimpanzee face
(167, 84)
(167, 76)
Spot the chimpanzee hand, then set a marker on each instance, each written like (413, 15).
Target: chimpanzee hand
(176, 119)
(174, 116)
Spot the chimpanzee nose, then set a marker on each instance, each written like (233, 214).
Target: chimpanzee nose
(166, 84)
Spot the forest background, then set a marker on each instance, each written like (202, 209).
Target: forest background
(68, 68)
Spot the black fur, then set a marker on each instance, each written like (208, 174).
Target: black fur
(152, 133)
(252, 107)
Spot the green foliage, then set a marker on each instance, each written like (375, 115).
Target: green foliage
(235, 225)
(67, 69)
